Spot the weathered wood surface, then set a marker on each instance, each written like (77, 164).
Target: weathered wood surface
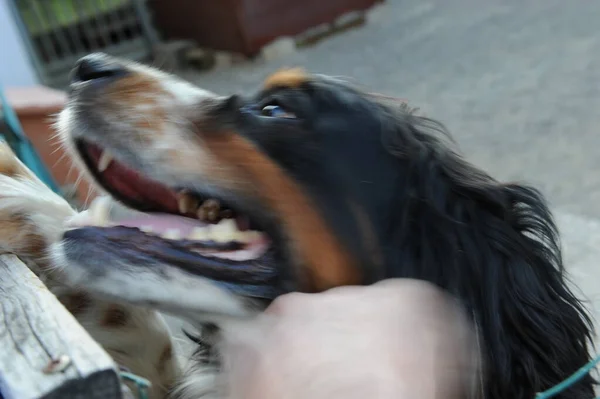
(36, 329)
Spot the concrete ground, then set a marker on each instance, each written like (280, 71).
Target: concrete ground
(516, 82)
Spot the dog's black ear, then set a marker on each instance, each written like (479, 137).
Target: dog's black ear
(545, 324)
(494, 246)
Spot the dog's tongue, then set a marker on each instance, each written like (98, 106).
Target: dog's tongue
(162, 224)
(239, 261)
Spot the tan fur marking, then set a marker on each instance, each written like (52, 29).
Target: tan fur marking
(76, 302)
(11, 166)
(134, 91)
(16, 232)
(19, 236)
(135, 88)
(328, 264)
(115, 316)
(368, 234)
(7, 166)
(165, 358)
(292, 78)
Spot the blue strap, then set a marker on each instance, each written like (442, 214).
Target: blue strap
(578, 375)
(141, 384)
(21, 145)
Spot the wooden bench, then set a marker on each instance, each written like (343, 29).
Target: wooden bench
(45, 353)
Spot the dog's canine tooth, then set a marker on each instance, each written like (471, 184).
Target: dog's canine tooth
(186, 202)
(172, 234)
(212, 203)
(225, 231)
(199, 234)
(105, 160)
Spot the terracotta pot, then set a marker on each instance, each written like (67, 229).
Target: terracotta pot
(245, 26)
(36, 108)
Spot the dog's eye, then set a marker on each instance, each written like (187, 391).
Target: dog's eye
(276, 111)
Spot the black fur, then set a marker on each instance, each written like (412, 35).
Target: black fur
(435, 217)
(496, 247)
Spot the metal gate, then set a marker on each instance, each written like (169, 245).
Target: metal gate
(58, 32)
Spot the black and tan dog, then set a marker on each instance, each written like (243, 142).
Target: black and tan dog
(307, 185)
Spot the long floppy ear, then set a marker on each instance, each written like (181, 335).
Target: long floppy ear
(496, 247)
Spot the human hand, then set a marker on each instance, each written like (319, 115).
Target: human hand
(395, 339)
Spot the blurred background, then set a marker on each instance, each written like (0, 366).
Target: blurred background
(516, 82)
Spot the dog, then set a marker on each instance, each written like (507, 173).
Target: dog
(312, 183)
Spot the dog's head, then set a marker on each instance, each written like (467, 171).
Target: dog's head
(309, 184)
(287, 190)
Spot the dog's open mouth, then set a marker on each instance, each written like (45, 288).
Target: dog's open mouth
(201, 235)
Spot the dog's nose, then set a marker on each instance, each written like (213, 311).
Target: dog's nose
(95, 67)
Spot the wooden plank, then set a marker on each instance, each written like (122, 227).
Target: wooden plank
(35, 330)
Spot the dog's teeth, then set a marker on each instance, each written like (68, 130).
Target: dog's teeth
(186, 202)
(209, 210)
(211, 203)
(225, 231)
(199, 234)
(105, 160)
(172, 234)
(213, 215)
(202, 214)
